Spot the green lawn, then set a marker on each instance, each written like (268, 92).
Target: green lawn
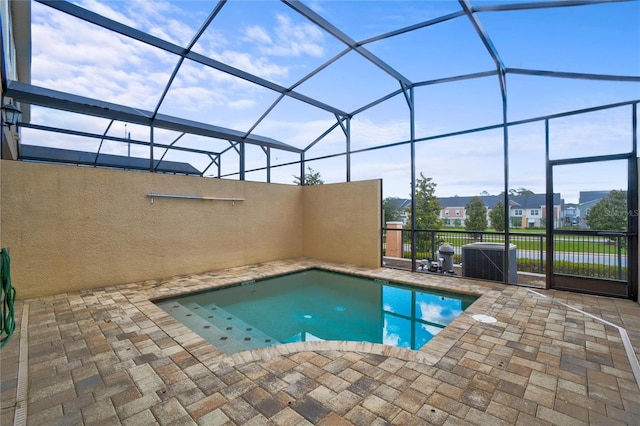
(535, 241)
(511, 230)
(577, 244)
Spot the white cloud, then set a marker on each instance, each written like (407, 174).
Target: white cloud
(289, 39)
(437, 314)
(256, 33)
(431, 329)
(261, 67)
(388, 337)
(93, 62)
(367, 132)
(107, 11)
(76, 57)
(241, 104)
(297, 133)
(96, 63)
(397, 169)
(155, 17)
(194, 98)
(364, 133)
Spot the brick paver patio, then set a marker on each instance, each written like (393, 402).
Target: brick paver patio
(110, 356)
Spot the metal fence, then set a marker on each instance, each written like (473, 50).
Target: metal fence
(598, 254)
(595, 254)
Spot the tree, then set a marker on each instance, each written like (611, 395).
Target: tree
(312, 177)
(524, 191)
(392, 210)
(610, 213)
(496, 216)
(427, 205)
(427, 209)
(519, 191)
(476, 215)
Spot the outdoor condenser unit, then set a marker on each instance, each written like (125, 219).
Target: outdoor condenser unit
(486, 261)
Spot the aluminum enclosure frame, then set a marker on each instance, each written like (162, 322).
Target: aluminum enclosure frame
(33, 95)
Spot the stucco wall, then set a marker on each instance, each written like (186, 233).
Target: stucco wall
(338, 222)
(71, 228)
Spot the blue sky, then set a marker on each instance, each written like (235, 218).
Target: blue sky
(271, 40)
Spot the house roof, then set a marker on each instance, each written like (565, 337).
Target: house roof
(488, 200)
(532, 201)
(521, 201)
(588, 196)
(401, 203)
(56, 155)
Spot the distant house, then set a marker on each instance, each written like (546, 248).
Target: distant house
(453, 212)
(586, 200)
(527, 210)
(403, 205)
(571, 214)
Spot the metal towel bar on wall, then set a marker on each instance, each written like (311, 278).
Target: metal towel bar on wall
(193, 197)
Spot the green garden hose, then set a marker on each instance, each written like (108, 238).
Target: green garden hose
(7, 322)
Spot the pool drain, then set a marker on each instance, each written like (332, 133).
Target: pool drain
(484, 318)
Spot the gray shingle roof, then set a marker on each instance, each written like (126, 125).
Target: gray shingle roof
(522, 201)
(587, 196)
(532, 201)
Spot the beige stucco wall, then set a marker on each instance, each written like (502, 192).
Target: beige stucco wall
(338, 222)
(70, 228)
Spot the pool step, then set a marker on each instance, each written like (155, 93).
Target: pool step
(219, 327)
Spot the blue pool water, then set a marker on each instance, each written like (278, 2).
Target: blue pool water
(316, 305)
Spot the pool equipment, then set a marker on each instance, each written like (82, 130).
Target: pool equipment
(444, 262)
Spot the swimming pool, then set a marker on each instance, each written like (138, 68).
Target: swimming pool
(316, 305)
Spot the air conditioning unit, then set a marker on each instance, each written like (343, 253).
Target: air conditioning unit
(486, 261)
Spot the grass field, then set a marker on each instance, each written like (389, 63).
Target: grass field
(575, 244)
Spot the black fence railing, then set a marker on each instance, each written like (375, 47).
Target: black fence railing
(598, 254)
(594, 254)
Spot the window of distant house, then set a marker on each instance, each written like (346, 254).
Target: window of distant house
(535, 212)
(446, 212)
(457, 212)
(517, 212)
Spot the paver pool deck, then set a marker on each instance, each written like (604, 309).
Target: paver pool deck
(111, 356)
